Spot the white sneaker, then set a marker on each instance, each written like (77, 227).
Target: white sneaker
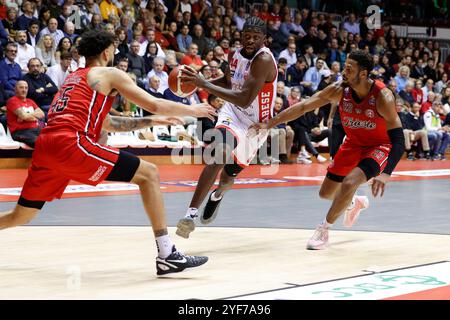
(264, 162)
(304, 154)
(185, 226)
(321, 159)
(319, 240)
(274, 161)
(303, 160)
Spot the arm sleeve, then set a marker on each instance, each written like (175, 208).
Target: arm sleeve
(398, 147)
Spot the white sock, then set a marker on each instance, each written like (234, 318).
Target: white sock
(326, 224)
(164, 245)
(214, 198)
(191, 212)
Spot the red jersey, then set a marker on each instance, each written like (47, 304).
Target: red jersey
(361, 121)
(76, 107)
(12, 105)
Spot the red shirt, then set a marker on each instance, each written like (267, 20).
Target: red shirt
(361, 121)
(425, 107)
(417, 95)
(188, 60)
(12, 105)
(265, 16)
(76, 107)
(2, 12)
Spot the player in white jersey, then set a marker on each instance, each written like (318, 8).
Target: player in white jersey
(249, 87)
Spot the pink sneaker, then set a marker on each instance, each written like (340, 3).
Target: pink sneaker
(351, 215)
(319, 240)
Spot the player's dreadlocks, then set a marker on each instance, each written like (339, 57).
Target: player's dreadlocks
(255, 23)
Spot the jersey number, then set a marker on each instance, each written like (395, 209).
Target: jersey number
(61, 103)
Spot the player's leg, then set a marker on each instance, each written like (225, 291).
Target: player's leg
(129, 168)
(20, 215)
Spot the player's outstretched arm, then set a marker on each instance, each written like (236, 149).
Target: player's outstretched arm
(386, 108)
(124, 124)
(108, 80)
(330, 94)
(262, 70)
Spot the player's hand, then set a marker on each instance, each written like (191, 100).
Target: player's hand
(203, 110)
(166, 121)
(379, 183)
(191, 76)
(256, 128)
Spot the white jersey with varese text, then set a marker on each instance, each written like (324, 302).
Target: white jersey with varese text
(237, 120)
(261, 109)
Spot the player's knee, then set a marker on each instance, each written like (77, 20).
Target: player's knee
(325, 194)
(147, 173)
(349, 184)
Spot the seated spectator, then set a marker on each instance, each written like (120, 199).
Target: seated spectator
(282, 69)
(430, 71)
(311, 122)
(10, 70)
(158, 70)
(77, 60)
(23, 116)
(205, 124)
(24, 51)
(151, 37)
(281, 92)
(27, 15)
(184, 40)
(191, 58)
(413, 130)
(45, 50)
(296, 73)
(429, 87)
(150, 54)
(436, 131)
(294, 96)
(52, 29)
(289, 54)
(169, 95)
(41, 89)
(216, 72)
(59, 72)
(64, 45)
(69, 31)
(282, 136)
(312, 77)
(427, 104)
(406, 94)
(417, 92)
(136, 63)
(33, 33)
(402, 78)
(199, 39)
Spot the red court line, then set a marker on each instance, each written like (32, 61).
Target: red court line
(440, 293)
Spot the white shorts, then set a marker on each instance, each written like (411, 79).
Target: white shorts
(247, 146)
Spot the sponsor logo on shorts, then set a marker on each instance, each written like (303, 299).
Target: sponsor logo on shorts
(98, 174)
(378, 154)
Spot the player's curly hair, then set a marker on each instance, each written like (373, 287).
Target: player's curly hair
(94, 42)
(254, 23)
(364, 59)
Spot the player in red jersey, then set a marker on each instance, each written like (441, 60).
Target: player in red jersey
(373, 146)
(68, 149)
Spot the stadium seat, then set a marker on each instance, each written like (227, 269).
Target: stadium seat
(6, 142)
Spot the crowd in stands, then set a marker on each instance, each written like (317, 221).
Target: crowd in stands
(38, 50)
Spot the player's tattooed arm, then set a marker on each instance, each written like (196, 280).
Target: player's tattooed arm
(124, 124)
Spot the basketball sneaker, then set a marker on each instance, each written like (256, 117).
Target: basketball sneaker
(211, 209)
(177, 262)
(353, 211)
(319, 240)
(185, 226)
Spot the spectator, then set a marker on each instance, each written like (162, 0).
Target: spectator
(151, 37)
(434, 128)
(10, 70)
(41, 89)
(294, 96)
(313, 76)
(428, 88)
(107, 8)
(96, 22)
(122, 64)
(206, 124)
(282, 135)
(44, 16)
(45, 50)
(442, 83)
(10, 23)
(158, 66)
(219, 56)
(170, 35)
(52, 29)
(77, 60)
(23, 116)
(136, 63)
(289, 54)
(282, 69)
(184, 39)
(33, 33)
(69, 31)
(239, 19)
(402, 78)
(309, 56)
(64, 46)
(352, 26)
(427, 105)
(413, 129)
(417, 92)
(191, 58)
(296, 73)
(150, 55)
(28, 10)
(199, 39)
(406, 94)
(24, 51)
(430, 71)
(65, 14)
(59, 71)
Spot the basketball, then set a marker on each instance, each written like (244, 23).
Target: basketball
(176, 86)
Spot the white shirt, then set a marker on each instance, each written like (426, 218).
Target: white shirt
(144, 46)
(57, 74)
(291, 58)
(74, 65)
(24, 54)
(163, 79)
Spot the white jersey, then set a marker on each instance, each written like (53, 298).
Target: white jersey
(261, 109)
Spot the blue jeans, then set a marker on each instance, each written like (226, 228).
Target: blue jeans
(438, 141)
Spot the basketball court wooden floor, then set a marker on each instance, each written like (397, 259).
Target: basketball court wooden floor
(96, 242)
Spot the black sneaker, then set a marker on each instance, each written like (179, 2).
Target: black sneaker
(177, 262)
(210, 211)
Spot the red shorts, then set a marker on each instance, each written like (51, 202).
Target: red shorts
(348, 157)
(62, 156)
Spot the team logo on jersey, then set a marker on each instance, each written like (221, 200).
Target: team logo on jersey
(378, 154)
(358, 111)
(370, 113)
(372, 101)
(347, 106)
(352, 123)
(227, 121)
